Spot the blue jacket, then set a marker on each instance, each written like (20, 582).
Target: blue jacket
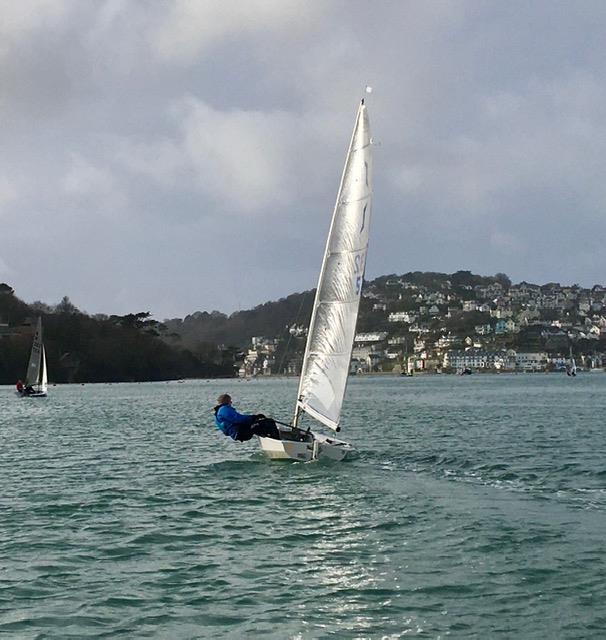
(227, 420)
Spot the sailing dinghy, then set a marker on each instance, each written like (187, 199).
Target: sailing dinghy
(36, 381)
(571, 367)
(333, 321)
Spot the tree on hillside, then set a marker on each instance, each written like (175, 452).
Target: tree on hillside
(66, 306)
(84, 349)
(462, 279)
(12, 309)
(41, 307)
(503, 280)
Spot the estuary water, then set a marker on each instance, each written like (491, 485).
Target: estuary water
(474, 507)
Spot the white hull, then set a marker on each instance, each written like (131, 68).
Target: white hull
(318, 447)
(36, 394)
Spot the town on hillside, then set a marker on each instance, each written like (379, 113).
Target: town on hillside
(440, 323)
(419, 322)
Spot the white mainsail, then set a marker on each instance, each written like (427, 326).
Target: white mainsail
(333, 323)
(32, 376)
(572, 365)
(44, 376)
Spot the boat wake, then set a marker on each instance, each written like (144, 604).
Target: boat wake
(579, 488)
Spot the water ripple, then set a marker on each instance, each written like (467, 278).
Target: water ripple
(473, 508)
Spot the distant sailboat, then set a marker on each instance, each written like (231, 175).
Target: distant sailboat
(331, 333)
(571, 367)
(36, 381)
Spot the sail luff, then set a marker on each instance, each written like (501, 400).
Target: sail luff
(332, 327)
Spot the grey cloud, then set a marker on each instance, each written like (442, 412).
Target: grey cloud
(182, 156)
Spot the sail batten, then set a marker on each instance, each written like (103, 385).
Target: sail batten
(332, 328)
(346, 202)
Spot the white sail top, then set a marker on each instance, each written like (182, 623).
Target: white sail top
(335, 312)
(33, 368)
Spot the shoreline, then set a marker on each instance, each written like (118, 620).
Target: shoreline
(374, 374)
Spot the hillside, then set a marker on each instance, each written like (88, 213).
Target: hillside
(422, 321)
(275, 318)
(81, 348)
(415, 317)
(270, 318)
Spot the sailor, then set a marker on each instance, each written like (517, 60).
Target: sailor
(20, 386)
(240, 426)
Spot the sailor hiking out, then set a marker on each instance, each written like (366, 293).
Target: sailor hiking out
(241, 426)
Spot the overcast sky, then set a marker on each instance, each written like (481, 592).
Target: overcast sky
(180, 156)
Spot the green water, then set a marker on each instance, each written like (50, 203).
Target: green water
(474, 507)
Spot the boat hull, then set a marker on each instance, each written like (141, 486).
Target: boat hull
(317, 447)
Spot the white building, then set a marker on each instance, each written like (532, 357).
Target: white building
(469, 305)
(471, 359)
(368, 338)
(483, 329)
(531, 361)
(402, 316)
(447, 341)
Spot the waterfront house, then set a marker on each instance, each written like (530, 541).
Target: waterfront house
(370, 337)
(471, 358)
(535, 361)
